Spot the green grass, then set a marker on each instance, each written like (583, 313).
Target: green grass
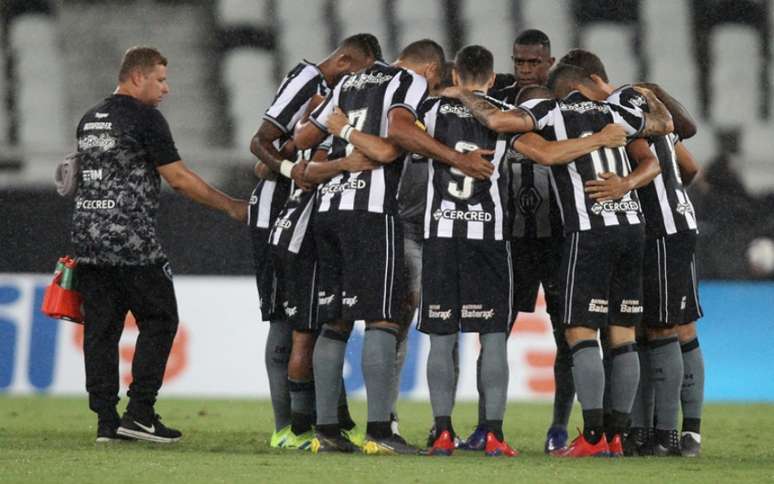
(45, 439)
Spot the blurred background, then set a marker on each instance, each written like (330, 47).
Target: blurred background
(226, 57)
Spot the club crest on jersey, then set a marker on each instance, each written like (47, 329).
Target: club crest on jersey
(615, 206)
(362, 80)
(459, 111)
(529, 200)
(290, 311)
(465, 215)
(684, 208)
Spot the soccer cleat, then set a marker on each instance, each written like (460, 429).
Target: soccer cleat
(636, 442)
(151, 430)
(476, 440)
(496, 448)
(321, 443)
(443, 445)
(690, 444)
(280, 437)
(616, 446)
(394, 424)
(106, 431)
(301, 441)
(354, 435)
(556, 439)
(580, 447)
(666, 443)
(391, 445)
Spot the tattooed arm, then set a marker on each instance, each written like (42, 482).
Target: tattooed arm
(658, 121)
(514, 121)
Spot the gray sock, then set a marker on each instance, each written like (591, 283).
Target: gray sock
(666, 375)
(692, 392)
(378, 367)
(494, 374)
(642, 409)
(400, 359)
(276, 357)
(480, 389)
(588, 373)
(301, 404)
(625, 377)
(456, 356)
(328, 364)
(564, 393)
(440, 373)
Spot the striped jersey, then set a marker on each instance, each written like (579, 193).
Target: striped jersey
(289, 105)
(460, 206)
(367, 98)
(533, 208)
(576, 116)
(665, 202)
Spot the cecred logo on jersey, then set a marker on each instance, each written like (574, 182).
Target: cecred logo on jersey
(362, 80)
(95, 204)
(466, 215)
(615, 206)
(347, 185)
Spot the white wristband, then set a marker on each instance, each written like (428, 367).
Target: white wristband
(346, 132)
(286, 167)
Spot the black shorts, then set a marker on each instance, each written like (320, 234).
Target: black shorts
(467, 285)
(361, 272)
(601, 277)
(264, 274)
(297, 285)
(670, 290)
(536, 262)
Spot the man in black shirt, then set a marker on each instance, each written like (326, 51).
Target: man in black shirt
(125, 145)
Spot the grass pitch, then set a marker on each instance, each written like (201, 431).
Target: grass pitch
(46, 439)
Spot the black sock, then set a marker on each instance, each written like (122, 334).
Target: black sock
(616, 423)
(593, 423)
(345, 419)
(329, 430)
(692, 425)
(379, 430)
(496, 427)
(300, 422)
(442, 424)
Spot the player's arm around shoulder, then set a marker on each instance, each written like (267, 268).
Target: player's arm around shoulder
(562, 152)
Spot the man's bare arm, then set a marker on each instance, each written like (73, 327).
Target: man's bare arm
(658, 121)
(538, 149)
(185, 181)
(687, 164)
(321, 171)
(685, 125)
(613, 187)
(405, 133)
(513, 121)
(374, 147)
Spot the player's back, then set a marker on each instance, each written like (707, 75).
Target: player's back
(462, 206)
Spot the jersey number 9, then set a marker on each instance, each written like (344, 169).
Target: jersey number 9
(464, 192)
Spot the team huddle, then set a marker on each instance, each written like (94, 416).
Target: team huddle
(447, 190)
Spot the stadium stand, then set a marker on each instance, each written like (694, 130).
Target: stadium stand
(304, 35)
(486, 23)
(357, 16)
(553, 18)
(418, 20)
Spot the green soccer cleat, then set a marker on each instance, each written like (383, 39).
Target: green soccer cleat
(280, 437)
(355, 435)
(301, 441)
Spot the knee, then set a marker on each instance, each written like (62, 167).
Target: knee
(687, 332)
(659, 333)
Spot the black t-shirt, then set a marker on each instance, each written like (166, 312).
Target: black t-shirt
(121, 143)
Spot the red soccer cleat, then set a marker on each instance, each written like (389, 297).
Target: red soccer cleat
(616, 446)
(580, 447)
(443, 445)
(495, 448)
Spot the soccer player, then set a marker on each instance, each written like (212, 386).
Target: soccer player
(125, 147)
(272, 144)
(536, 235)
(669, 278)
(602, 255)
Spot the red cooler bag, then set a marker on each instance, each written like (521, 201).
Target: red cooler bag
(61, 300)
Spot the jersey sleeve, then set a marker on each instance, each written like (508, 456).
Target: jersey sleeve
(410, 92)
(628, 108)
(541, 110)
(292, 99)
(158, 139)
(319, 116)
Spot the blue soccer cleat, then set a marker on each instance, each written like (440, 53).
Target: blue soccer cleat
(556, 439)
(476, 440)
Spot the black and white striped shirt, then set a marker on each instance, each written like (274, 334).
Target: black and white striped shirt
(576, 116)
(367, 98)
(665, 202)
(459, 206)
(290, 228)
(289, 105)
(533, 208)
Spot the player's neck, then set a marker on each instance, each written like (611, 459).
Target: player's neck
(328, 71)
